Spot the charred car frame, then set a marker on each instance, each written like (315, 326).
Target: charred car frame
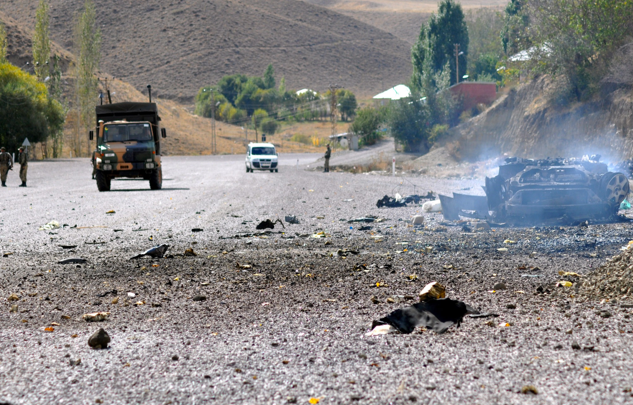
(539, 190)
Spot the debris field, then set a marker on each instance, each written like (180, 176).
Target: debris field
(233, 314)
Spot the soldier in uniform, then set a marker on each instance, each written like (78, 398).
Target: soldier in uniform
(6, 164)
(328, 153)
(23, 160)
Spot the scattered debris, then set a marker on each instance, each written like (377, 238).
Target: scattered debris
(197, 230)
(529, 389)
(68, 246)
(74, 260)
(14, 309)
(76, 362)
(96, 316)
(199, 298)
(432, 291)
(50, 226)
(500, 286)
(438, 315)
(190, 252)
(13, 297)
(291, 219)
(111, 212)
(155, 252)
(99, 340)
(400, 201)
(7, 254)
(268, 224)
(432, 206)
(363, 219)
(417, 220)
(346, 252)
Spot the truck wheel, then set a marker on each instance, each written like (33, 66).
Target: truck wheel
(271, 170)
(103, 182)
(156, 179)
(247, 171)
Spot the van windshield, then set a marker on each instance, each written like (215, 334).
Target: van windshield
(263, 150)
(127, 132)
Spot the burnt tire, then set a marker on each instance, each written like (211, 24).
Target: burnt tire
(614, 188)
(103, 182)
(156, 179)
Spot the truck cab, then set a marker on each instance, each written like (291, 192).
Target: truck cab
(128, 144)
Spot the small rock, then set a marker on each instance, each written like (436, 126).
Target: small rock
(375, 300)
(14, 308)
(575, 345)
(558, 347)
(291, 400)
(199, 298)
(115, 300)
(75, 362)
(499, 286)
(390, 300)
(511, 306)
(432, 291)
(605, 314)
(417, 220)
(96, 316)
(99, 340)
(569, 331)
(13, 297)
(190, 252)
(481, 226)
(174, 357)
(529, 389)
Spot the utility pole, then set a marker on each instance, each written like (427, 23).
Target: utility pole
(456, 63)
(333, 107)
(214, 150)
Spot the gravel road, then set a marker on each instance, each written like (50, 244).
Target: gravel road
(280, 317)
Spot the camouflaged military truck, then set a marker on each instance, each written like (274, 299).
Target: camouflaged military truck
(128, 144)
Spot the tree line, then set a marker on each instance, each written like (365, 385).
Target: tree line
(33, 103)
(263, 105)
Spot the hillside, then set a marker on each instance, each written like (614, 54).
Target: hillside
(402, 18)
(526, 123)
(180, 45)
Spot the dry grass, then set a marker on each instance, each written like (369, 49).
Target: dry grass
(189, 134)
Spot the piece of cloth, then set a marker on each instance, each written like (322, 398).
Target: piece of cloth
(3, 173)
(326, 165)
(23, 169)
(438, 315)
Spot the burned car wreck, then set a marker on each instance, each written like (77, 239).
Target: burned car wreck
(527, 190)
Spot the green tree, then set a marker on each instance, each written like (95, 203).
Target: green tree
(485, 67)
(269, 126)
(56, 92)
(408, 120)
(3, 44)
(231, 86)
(444, 30)
(269, 78)
(366, 124)
(484, 29)
(257, 118)
(207, 100)
(577, 39)
(26, 111)
(515, 33)
(88, 49)
(347, 104)
(41, 42)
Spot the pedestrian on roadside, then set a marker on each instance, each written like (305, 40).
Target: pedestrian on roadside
(328, 154)
(23, 160)
(6, 164)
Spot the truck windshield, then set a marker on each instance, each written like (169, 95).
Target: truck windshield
(127, 132)
(263, 150)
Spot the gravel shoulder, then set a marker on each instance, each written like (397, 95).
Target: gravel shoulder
(285, 314)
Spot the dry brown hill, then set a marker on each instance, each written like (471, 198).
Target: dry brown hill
(180, 45)
(402, 18)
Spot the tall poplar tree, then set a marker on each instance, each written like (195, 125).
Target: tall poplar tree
(41, 42)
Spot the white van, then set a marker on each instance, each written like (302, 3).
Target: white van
(261, 156)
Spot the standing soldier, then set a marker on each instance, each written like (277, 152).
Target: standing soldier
(23, 160)
(328, 153)
(6, 164)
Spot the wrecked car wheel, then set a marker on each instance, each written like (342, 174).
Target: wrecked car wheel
(614, 188)
(103, 183)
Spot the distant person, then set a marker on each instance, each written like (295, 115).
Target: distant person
(23, 160)
(328, 154)
(6, 164)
